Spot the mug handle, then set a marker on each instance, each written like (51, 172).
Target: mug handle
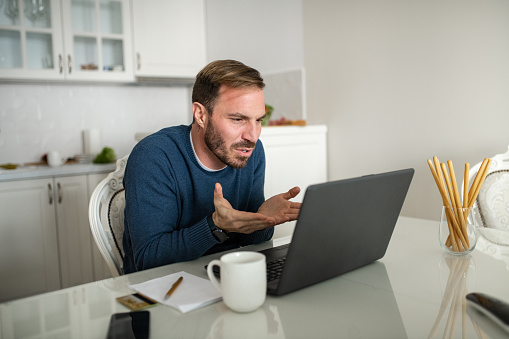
(211, 275)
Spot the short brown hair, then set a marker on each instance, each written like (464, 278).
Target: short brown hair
(230, 73)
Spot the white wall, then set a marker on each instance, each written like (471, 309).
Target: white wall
(264, 34)
(400, 81)
(36, 118)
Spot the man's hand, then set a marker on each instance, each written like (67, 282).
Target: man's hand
(281, 208)
(231, 220)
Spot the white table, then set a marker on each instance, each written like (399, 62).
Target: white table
(397, 297)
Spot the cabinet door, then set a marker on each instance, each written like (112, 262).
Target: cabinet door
(169, 37)
(66, 40)
(295, 156)
(101, 270)
(74, 237)
(97, 40)
(28, 239)
(31, 40)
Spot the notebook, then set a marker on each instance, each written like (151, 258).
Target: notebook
(342, 225)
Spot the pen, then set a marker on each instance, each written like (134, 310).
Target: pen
(174, 287)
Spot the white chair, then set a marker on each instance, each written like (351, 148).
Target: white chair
(106, 216)
(493, 200)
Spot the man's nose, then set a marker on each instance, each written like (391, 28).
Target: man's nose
(251, 131)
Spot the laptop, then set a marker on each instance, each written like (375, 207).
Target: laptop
(342, 225)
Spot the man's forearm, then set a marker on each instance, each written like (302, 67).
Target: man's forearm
(157, 249)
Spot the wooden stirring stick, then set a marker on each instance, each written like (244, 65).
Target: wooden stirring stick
(480, 183)
(441, 189)
(437, 167)
(459, 214)
(444, 199)
(465, 185)
(449, 187)
(466, 179)
(454, 184)
(455, 221)
(476, 180)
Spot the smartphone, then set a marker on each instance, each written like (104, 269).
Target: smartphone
(129, 325)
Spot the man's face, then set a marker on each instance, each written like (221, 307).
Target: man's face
(235, 125)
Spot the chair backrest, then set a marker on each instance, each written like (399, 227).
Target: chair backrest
(106, 216)
(493, 200)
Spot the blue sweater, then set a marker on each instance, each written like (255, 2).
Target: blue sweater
(169, 197)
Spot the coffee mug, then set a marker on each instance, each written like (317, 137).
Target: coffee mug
(55, 159)
(243, 280)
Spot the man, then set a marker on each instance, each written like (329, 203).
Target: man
(198, 189)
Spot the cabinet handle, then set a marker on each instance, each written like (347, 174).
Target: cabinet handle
(60, 195)
(50, 194)
(60, 63)
(69, 63)
(138, 61)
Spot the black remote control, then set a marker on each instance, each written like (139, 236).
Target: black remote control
(495, 309)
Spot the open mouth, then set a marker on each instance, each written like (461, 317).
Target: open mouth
(245, 152)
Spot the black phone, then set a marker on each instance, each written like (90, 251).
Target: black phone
(129, 325)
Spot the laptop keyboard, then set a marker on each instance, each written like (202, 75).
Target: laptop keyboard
(274, 269)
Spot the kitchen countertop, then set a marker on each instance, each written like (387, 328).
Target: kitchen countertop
(44, 171)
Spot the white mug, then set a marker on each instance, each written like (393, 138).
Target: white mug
(243, 280)
(54, 159)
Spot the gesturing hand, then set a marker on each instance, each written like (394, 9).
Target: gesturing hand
(281, 208)
(231, 220)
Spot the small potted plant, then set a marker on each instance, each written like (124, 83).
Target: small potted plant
(268, 112)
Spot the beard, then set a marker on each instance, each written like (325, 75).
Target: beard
(217, 145)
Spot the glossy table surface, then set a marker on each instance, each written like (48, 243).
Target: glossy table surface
(415, 291)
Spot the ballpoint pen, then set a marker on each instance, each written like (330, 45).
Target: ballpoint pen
(173, 287)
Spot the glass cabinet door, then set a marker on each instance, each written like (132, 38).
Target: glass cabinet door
(66, 39)
(97, 39)
(30, 41)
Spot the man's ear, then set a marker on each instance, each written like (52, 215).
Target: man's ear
(199, 114)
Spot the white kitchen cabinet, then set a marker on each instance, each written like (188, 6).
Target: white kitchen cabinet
(169, 38)
(45, 238)
(295, 156)
(74, 237)
(28, 239)
(66, 40)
